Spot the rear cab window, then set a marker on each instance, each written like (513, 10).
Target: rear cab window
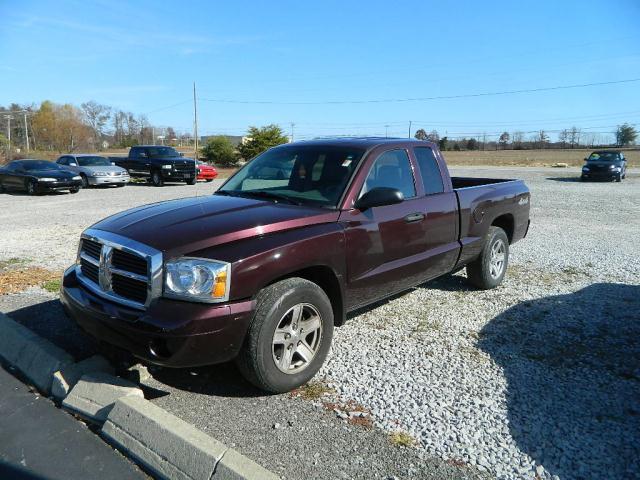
(429, 170)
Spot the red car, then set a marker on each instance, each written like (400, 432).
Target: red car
(206, 172)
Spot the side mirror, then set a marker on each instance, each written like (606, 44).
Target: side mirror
(113, 163)
(378, 197)
(73, 164)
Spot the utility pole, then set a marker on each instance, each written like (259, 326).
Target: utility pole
(195, 120)
(386, 131)
(292, 125)
(409, 128)
(153, 135)
(9, 118)
(26, 132)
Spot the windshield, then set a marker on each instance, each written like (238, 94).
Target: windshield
(40, 165)
(93, 162)
(603, 157)
(310, 175)
(162, 152)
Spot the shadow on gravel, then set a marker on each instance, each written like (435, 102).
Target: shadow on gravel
(222, 380)
(48, 320)
(565, 179)
(572, 363)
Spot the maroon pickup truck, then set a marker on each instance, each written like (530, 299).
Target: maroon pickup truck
(263, 270)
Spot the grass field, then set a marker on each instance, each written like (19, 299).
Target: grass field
(529, 158)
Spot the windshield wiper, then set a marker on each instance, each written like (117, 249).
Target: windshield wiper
(260, 194)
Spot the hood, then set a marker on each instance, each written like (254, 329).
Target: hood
(102, 168)
(191, 224)
(52, 173)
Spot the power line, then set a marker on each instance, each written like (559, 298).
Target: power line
(423, 99)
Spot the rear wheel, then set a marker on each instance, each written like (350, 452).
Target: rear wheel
(488, 270)
(156, 179)
(289, 336)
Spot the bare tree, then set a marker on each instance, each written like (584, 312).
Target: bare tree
(504, 139)
(96, 116)
(541, 138)
(433, 136)
(574, 137)
(563, 136)
(518, 138)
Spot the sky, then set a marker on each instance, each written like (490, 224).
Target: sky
(332, 67)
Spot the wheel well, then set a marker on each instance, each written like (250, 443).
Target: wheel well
(326, 279)
(506, 223)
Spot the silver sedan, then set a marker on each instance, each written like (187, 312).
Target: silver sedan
(94, 169)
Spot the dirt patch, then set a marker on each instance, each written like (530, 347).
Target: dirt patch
(17, 280)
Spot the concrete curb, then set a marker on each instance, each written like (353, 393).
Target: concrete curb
(95, 394)
(171, 448)
(64, 380)
(36, 358)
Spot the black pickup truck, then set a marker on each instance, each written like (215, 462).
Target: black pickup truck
(158, 164)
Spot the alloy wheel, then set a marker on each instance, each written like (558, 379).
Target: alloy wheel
(497, 260)
(297, 338)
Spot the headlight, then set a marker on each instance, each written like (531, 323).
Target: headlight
(197, 279)
(47, 179)
(614, 168)
(167, 167)
(585, 169)
(77, 177)
(99, 174)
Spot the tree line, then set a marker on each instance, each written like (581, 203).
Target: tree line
(66, 128)
(573, 137)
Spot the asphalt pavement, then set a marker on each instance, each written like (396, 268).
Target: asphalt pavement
(39, 441)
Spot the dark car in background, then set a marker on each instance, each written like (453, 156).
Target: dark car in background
(94, 170)
(158, 164)
(38, 176)
(605, 165)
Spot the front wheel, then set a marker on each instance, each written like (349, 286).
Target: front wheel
(289, 336)
(74, 190)
(619, 178)
(156, 179)
(32, 189)
(85, 181)
(192, 181)
(488, 270)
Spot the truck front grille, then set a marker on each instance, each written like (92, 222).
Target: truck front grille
(123, 270)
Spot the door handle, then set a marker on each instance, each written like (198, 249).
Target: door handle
(414, 217)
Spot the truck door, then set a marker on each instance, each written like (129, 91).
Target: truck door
(386, 245)
(440, 208)
(138, 162)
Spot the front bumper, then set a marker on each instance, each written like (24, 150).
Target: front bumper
(57, 186)
(177, 176)
(121, 180)
(170, 333)
(601, 175)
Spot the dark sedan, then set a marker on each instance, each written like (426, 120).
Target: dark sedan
(38, 176)
(605, 165)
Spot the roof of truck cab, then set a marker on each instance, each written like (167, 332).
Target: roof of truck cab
(360, 142)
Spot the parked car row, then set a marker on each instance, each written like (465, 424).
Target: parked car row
(74, 171)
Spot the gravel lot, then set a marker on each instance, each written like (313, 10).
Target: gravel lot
(537, 378)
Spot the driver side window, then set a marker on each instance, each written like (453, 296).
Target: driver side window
(392, 170)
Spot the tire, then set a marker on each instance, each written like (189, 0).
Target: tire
(273, 361)
(120, 185)
(191, 181)
(1, 187)
(74, 190)
(486, 271)
(31, 187)
(156, 179)
(85, 182)
(619, 178)
(583, 179)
